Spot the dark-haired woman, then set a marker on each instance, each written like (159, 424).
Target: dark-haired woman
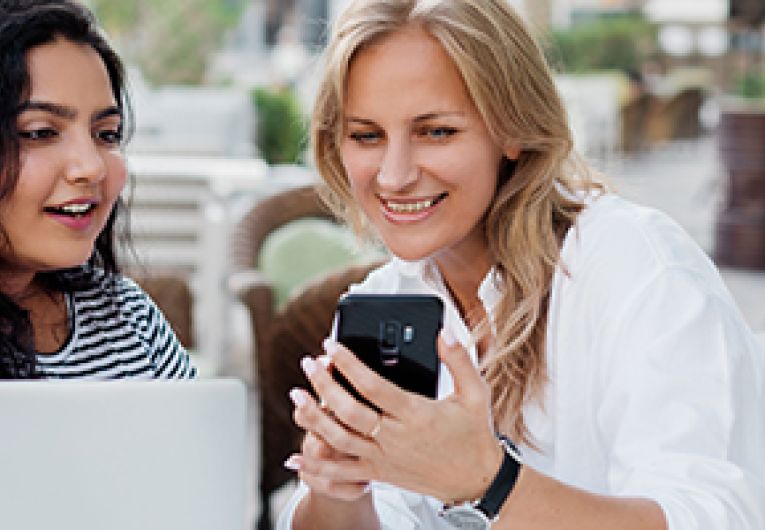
(65, 311)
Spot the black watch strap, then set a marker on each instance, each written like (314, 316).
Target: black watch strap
(491, 503)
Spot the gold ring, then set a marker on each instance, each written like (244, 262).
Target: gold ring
(376, 429)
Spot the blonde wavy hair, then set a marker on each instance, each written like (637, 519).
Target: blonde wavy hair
(536, 202)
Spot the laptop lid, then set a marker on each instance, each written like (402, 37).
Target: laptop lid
(127, 455)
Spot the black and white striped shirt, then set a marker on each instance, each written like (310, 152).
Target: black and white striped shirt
(116, 331)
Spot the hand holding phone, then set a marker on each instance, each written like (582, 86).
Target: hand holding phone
(395, 335)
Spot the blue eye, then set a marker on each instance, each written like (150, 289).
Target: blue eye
(441, 132)
(365, 137)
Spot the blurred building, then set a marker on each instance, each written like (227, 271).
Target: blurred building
(191, 120)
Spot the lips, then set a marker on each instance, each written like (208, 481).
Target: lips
(72, 209)
(77, 214)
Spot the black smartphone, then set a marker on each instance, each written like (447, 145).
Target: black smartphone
(395, 335)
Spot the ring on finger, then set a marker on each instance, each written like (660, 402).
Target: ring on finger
(376, 429)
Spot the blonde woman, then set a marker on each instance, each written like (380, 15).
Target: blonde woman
(591, 332)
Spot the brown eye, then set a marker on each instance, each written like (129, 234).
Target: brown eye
(110, 136)
(38, 134)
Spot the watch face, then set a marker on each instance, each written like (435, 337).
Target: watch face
(466, 517)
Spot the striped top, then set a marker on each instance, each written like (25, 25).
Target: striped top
(116, 331)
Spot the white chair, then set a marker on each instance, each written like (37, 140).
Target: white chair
(180, 218)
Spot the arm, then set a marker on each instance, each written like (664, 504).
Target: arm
(400, 453)
(317, 512)
(541, 502)
(168, 356)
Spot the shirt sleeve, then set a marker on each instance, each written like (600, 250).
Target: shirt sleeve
(168, 356)
(681, 413)
(396, 509)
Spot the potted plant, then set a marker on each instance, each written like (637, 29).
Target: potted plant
(740, 225)
(282, 133)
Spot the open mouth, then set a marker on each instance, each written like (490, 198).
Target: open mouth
(71, 210)
(413, 207)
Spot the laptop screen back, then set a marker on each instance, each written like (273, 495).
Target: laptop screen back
(127, 455)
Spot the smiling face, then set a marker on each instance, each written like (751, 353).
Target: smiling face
(420, 161)
(71, 166)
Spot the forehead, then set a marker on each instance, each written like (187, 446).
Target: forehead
(62, 71)
(406, 69)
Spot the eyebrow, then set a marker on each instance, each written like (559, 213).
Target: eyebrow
(420, 118)
(66, 112)
(436, 115)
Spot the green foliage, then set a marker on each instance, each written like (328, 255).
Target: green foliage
(609, 43)
(170, 40)
(117, 17)
(282, 131)
(751, 85)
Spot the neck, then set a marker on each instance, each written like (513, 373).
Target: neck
(463, 276)
(18, 286)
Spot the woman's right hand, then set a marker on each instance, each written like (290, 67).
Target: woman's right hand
(317, 449)
(330, 504)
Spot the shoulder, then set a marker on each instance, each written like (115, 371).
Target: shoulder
(613, 235)
(95, 283)
(99, 295)
(622, 264)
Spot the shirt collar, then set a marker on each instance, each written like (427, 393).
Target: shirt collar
(426, 270)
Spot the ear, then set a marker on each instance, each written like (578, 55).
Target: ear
(513, 151)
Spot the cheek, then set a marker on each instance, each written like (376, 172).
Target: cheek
(117, 174)
(360, 169)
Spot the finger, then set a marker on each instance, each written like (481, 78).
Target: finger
(388, 397)
(342, 489)
(314, 447)
(353, 414)
(467, 380)
(335, 470)
(346, 491)
(309, 416)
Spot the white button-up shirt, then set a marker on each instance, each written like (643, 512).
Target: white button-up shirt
(656, 384)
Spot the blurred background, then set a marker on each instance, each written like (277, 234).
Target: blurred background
(667, 97)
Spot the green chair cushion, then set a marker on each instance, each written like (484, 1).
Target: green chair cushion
(305, 249)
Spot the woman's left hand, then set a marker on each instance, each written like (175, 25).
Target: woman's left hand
(443, 448)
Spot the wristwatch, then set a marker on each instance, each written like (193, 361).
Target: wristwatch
(480, 514)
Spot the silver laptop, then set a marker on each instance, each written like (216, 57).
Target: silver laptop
(123, 455)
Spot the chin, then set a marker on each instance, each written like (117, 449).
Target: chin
(409, 253)
(70, 261)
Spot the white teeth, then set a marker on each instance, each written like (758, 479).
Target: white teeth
(75, 209)
(410, 207)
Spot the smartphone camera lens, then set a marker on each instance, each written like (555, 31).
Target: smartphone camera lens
(389, 342)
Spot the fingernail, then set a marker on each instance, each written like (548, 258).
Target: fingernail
(330, 346)
(308, 364)
(325, 360)
(448, 337)
(368, 487)
(293, 463)
(297, 397)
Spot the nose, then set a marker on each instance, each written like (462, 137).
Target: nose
(85, 164)
(398, 169)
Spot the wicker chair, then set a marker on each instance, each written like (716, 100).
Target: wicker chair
(283, 333)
